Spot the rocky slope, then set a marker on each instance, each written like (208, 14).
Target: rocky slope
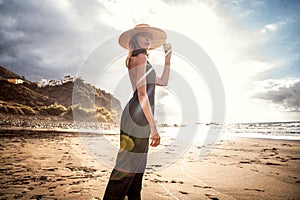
(60, 100)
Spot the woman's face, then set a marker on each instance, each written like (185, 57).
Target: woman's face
(144, 40)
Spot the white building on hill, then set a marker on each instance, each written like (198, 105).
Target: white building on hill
(45, 82)
(15, 80)
(68, 79)
(42, 83)
(54, 82)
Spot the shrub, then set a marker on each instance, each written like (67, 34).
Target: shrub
(54, 109)
(15, 108)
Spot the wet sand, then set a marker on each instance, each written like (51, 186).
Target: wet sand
(49, 164)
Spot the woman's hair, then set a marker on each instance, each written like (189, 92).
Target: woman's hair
(133, 45)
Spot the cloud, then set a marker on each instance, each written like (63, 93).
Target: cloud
(270, 27)
(283, 93)
(50, 38)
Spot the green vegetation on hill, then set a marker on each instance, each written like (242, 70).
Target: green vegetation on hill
(15, 108)
(61, 100)
(19, 93)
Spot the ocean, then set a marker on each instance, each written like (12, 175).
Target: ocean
(269, 130)
(202, 131)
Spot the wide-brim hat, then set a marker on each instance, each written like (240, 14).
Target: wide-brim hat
(159, 36)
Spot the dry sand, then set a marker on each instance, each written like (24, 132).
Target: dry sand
(39, 164)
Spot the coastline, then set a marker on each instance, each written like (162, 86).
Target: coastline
(56, 164)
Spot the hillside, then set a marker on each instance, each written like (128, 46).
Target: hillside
(19, 93)
(5, 74)
(60, 100)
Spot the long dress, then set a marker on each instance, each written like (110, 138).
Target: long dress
(127, 175)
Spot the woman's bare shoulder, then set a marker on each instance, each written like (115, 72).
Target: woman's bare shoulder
(138, 60)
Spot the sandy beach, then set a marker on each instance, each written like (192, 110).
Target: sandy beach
(49, 164)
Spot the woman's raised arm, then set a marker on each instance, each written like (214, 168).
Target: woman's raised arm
(163, 80)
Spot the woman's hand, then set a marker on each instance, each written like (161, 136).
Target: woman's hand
(167, 48)
(155, 138)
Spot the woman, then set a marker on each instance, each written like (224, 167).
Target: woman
(137, 121)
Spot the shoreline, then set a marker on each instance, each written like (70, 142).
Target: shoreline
(115, 131)
(50, 122)
(263, 137)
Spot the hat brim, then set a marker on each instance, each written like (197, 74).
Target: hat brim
(159, 36)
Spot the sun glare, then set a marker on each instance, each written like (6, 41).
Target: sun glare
(219, 36)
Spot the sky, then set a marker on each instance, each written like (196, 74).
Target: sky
(254, 45)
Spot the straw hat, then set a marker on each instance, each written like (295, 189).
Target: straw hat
(159, 36)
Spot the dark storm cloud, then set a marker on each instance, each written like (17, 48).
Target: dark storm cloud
(47, 38)
(287, 97)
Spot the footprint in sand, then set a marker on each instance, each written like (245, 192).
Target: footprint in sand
(272, 163)
(51, 187)
(37, 197)
(211, 197)
(30, 188)
(292, 158)
(18, 196)
(245, 162)
(208, 187)
(287, 145)
(282, 159)
(255, 189)
(183, 192)
(173, 181)
(255, 170)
